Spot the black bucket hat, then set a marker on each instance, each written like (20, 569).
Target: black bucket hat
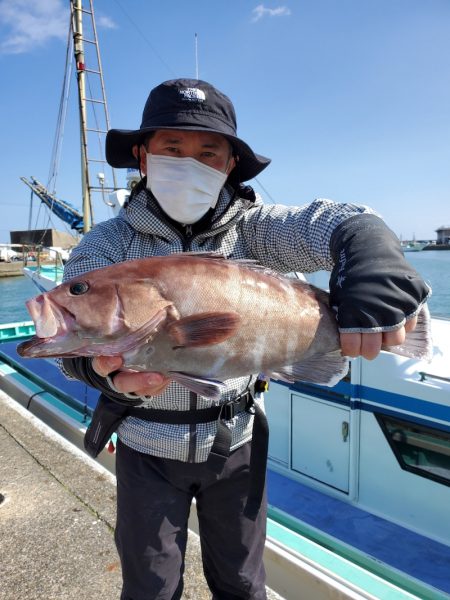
(188, 104)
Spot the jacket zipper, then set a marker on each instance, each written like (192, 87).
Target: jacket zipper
(187, 238)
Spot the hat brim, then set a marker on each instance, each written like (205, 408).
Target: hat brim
(120, 143)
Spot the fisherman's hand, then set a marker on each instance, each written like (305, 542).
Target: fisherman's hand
(368, 345)
(374, 291)
(140, 383)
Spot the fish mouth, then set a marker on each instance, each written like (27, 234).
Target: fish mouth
(55, 330)
(50, 319)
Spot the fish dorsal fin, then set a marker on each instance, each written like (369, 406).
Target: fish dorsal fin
(203, 329)
(326, 369)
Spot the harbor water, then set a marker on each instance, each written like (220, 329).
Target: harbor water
(14, 291)
(433, 265)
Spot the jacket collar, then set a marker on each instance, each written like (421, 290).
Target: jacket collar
(144, 214)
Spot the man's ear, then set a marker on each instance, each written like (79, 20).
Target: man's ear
(232, 164)
(140, 154)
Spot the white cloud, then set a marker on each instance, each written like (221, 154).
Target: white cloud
(29, 24)
(261, 11)
(105, 22)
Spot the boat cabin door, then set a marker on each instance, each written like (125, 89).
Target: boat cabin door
(311, 436)
(320, 441)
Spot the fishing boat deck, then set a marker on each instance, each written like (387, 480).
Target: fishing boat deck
(361, 535)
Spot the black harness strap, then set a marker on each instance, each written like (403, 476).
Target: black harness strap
(186, 417)
(258, 463)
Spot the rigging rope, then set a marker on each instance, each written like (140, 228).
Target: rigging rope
(265, 190)
(48, 221)
(61, 120)
(146, 40)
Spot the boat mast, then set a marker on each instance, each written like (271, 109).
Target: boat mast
(91, 94)
(77, 28)
(94, 123)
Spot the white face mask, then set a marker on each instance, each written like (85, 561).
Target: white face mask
(184, 188)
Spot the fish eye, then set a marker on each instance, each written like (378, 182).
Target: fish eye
(79, 288)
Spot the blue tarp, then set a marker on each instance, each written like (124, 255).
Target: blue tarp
(64, 210)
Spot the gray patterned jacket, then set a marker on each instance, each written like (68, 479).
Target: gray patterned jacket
(283, 238)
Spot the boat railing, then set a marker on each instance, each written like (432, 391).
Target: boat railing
(48, 258)
(16, 331)
(425, 376)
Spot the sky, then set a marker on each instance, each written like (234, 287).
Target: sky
(350, 98)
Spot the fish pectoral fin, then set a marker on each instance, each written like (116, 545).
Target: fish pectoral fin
(128, 342)
(324, 369)
(204, 387)
(203, 329)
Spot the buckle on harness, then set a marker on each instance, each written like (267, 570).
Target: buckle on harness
(240, 404)
(229, 410)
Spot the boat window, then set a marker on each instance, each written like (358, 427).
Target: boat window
(419, 449)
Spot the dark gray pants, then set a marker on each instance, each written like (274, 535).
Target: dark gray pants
(153, 502)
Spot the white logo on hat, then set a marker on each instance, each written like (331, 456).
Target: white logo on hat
(193, 94)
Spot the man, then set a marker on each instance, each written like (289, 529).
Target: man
(192, 198)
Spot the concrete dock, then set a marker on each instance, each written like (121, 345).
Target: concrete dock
(57, 515)
(12, 269)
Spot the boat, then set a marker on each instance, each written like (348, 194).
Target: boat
(414, 246)
(358, 474)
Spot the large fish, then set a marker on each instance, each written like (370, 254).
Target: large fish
(199, 319)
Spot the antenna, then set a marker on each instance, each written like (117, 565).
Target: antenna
(196, 56)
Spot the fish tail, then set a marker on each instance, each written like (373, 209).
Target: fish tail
(418, 343)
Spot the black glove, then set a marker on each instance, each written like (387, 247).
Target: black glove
(81, 368)
(372, 286)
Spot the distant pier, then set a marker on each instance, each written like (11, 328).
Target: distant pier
(437, 247)
(11, 269)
